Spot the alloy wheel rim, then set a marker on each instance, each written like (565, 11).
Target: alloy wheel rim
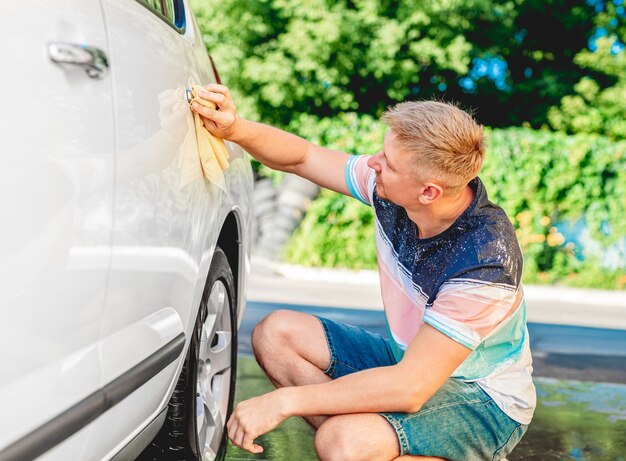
(214, 371)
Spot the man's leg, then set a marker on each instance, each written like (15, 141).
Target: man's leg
(360, 437)
(291, 348)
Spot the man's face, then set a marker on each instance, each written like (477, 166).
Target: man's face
(394, 180)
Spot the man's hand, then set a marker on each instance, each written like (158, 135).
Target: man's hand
(223, 120)
(274, 148)
(254, 417)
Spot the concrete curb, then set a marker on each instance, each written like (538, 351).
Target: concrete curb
(291, 284)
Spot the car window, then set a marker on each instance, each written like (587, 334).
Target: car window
(171, 11)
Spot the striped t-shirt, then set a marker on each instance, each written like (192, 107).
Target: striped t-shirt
(465, 282)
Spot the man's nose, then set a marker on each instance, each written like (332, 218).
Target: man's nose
(374, 162)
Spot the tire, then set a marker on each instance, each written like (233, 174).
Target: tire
(203, 398)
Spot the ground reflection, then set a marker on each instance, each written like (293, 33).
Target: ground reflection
(574, 420)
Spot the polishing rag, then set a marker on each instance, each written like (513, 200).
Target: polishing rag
(211, 151)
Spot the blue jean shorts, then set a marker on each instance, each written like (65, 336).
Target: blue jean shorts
(460, 422)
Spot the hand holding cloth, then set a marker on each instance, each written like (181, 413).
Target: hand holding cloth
(207, 150)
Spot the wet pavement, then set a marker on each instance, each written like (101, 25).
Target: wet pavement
(580, 374)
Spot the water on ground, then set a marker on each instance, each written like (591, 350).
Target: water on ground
(580, 374)
(574, 420)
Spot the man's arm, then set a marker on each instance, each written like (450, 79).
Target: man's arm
(428, 362)
(275, 148)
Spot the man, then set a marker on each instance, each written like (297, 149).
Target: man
(454, 381)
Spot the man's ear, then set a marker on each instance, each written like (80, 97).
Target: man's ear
(430, 193)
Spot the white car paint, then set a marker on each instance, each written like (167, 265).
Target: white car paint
(103, 254)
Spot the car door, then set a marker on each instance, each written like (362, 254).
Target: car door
(161, 224)
(56, 198)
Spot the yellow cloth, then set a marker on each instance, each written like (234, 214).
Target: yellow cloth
(211, 151)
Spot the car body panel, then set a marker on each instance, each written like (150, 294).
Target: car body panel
(156, 249)
(56, 186)
(165, 231)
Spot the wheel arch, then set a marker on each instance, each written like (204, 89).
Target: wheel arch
(230, 240)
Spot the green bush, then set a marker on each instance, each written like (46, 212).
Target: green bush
(541, 178)
(282, 58)
(538, 177)
(593, 109)
(336, 232)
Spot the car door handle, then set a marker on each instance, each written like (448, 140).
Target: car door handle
(92, 59)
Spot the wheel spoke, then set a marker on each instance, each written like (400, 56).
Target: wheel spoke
(209, 454)
(201, 416)
(221, 353)
(211, 427)
(205, 352)
(217, 300)
(214, 443)
(210, 407)
(220, 386)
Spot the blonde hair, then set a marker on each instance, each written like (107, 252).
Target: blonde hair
(448, 142)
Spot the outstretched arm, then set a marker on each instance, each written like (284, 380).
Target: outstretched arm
(275, 148)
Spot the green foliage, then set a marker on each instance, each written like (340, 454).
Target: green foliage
(592, 109)
(348, 132)
(598, 102)
(554, 177)
(336, 232)
(283, 58)
(539, 178)
(320, 56)
(298, 63)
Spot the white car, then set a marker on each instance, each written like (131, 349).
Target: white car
(122, 280)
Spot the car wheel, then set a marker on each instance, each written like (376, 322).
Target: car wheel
(203, 398)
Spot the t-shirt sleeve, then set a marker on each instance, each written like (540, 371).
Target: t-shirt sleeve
(469, 306)
(360, 178)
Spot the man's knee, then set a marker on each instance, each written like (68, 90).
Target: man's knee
(271, 333)
(356, 437)
(334, 443)
(284, 333)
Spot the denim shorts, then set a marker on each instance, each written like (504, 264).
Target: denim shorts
(460, 422)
